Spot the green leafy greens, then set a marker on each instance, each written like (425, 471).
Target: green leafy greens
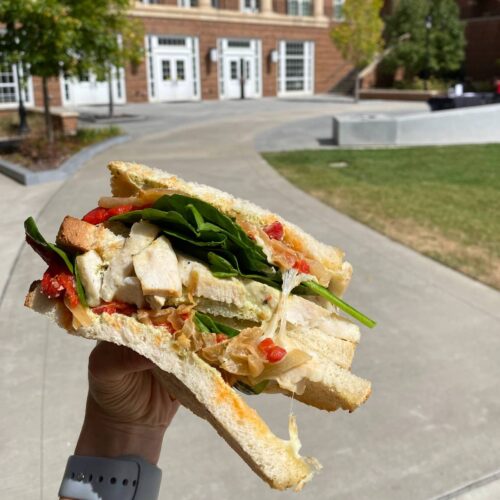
(206, 323)
(202, 231)
(47, 248)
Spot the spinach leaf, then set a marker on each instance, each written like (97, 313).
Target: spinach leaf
(251, 390)
(317, 289)
(80, 291)
(32, 231)
(207, 324)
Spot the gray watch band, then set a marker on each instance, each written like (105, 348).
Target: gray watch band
(122, 478)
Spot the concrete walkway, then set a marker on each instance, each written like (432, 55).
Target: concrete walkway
(433, 421)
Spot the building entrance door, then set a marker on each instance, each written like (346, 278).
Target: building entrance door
(239, 69)
(176, 78)
(241, 79)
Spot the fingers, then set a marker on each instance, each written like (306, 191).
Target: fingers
(108, 361)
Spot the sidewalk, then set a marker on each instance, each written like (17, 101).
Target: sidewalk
(432, 422)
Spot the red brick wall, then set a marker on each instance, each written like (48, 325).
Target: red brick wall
(478, 8)
(54, 91)
(329, 66)
(483, 49)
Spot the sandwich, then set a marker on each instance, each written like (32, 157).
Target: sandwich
(223, 296)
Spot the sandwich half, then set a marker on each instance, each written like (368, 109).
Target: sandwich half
(220, 294)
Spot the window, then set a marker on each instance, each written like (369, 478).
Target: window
(8, 85)
(250, 5)
(238, 44)
(338, 10)
(181, 73)
(187, 3)
(165, 40)
(234, 70)
(299, 7)
(165, 70)
(296, 67)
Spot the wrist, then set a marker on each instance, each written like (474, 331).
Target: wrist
(103, 436)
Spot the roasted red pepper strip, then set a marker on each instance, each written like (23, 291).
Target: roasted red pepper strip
(115, 307)
(275, 231)
(58, 281)
(100, 214)
(302, 266)
(272, 352)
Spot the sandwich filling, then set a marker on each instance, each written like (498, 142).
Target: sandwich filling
(243, 297)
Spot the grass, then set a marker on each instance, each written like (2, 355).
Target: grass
(36, 154)
(442, 201)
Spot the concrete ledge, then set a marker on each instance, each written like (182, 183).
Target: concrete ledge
(27, 177)
(473, 125)
(398, 95)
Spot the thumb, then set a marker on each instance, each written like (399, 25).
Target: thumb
(108, 361)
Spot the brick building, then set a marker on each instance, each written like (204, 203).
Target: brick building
(482, 28)
(213, 49)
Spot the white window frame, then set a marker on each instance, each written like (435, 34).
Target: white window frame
(338, 10)
(249, 6)
(302, 8)
(187, 4)
(309, 68)
(28, 97)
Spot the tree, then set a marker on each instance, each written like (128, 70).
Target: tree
(43, 31)
(108, 39)
(436, 45)
(359, 36)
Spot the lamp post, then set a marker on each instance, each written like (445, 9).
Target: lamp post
(428, 27)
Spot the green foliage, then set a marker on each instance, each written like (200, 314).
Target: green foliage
(359, 36)
(39, 33)
(445, 39)
(108, 37)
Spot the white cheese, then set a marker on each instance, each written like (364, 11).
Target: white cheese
(157, 269)
(90, 269)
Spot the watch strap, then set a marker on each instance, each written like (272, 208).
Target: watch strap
(121, 478)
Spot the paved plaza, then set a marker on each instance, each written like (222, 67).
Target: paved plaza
(432, 423)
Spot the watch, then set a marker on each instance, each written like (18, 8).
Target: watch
(122, 478)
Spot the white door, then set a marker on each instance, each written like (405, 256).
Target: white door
(173, 68)
(239, 69)
(88, 90)
(240, 77)
(176, 78)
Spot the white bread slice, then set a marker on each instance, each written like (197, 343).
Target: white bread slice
(128, 178)
(199, 387)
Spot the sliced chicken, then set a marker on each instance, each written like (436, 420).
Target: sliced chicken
(121, 266)
(157, 268)
(155, 301)
(130, 292)
(90, 268)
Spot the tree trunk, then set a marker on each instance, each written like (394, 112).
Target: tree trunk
(111, 104)
(49, 130)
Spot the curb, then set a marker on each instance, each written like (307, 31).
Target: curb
(29, 178)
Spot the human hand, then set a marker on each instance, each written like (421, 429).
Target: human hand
(128, 410)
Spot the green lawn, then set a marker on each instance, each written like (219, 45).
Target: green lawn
(441, 201)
